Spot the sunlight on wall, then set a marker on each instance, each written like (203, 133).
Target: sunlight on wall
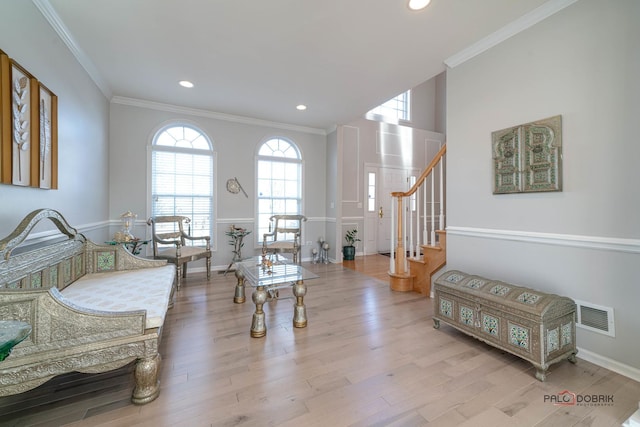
(395, 141)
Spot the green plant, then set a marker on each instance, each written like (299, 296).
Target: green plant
(351, 237)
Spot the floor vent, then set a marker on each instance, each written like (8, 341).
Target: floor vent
(596, 318)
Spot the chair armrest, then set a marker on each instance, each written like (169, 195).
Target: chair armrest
(192, 238)
(205, 238)
(176, 242)
(265, 235)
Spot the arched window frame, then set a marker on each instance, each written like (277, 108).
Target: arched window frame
(203, 218)
(290, 159)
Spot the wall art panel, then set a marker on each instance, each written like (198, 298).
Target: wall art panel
(47, 139)
(28, 128)
(22, 124)
(528, 158)
(5, 119)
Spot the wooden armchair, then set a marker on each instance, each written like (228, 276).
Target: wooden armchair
(170, 243)
(285, 235)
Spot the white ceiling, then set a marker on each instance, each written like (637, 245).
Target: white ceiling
(261, 58)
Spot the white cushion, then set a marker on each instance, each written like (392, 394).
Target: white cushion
(143, 289)
(185, 251)
(280, 245)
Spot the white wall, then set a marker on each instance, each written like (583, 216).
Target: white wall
(82, 196)
(423, 105)
(235, 144)
(582, 63)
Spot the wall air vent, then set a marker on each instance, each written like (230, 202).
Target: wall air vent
(595, 318)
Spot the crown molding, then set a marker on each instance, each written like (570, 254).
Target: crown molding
(152, 105)
(63, 32)
(528, 20)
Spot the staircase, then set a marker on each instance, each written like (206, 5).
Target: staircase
(418, 248)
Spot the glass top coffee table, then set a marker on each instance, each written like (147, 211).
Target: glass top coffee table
(12, 332)
(267, 274)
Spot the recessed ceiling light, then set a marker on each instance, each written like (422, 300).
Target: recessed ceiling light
(185, 83)
(418, 4)
(301, 107)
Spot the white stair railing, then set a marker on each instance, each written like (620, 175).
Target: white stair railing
(408, 231)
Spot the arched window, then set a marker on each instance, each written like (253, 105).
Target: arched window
(279, 176)
(182, 176)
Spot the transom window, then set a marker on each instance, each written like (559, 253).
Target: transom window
(279, 182)
(395, 109)
(182, 177)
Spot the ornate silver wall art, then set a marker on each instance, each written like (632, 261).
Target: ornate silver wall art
(528, 158)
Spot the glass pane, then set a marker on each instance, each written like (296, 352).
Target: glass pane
(278, 188)
(279, 207)
(292, 170)
(165, 139)
(292, 207)
(278, 171)
(176, 132)
(164, 184)
(264, 169)
(191, 134)
(201, 164)
(264, 188)
(202, 185)
(291, 189)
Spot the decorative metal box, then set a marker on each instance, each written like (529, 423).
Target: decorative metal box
(533, 325)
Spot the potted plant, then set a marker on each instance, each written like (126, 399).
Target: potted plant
(349, 251)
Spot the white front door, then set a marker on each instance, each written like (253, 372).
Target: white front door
(380, 182)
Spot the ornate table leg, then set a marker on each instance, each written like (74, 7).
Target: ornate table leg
(239, 297)
(299, 310)
(258, 326)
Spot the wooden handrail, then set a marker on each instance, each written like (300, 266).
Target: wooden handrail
(424, 175)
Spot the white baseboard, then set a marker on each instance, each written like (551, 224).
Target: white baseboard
(610, 364)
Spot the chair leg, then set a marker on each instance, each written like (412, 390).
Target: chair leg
(208, 268)
(184, 270)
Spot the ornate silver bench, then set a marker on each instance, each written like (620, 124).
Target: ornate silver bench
(533, 325)
(92, 308)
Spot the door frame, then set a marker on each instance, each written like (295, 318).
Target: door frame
(371, 221)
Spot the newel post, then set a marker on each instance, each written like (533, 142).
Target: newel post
(401, 253)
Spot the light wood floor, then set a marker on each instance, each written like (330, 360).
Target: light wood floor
(369, 357)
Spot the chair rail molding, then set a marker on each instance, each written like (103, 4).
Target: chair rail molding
(578, 241)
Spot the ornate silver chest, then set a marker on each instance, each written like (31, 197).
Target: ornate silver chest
(533, 325)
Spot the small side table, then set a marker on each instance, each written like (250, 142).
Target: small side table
(236, 235)
(12, 333)
(134, 246)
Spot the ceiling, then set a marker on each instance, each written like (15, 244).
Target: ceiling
(259, 59)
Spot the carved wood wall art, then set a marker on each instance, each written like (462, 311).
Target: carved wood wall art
(28, 128)
(5, 119)
(528, 158)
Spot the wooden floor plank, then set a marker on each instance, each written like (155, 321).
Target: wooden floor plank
(368, 357)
